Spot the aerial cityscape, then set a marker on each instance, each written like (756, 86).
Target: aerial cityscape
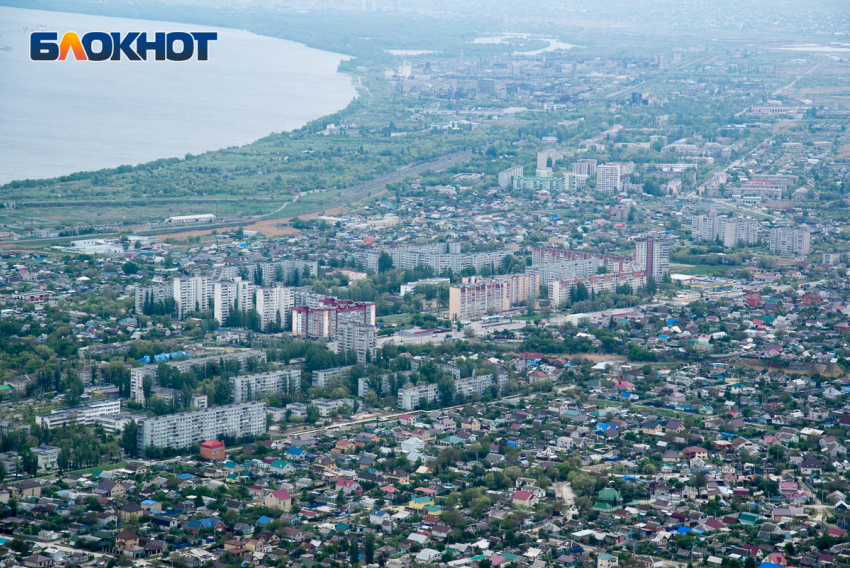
(427, 283)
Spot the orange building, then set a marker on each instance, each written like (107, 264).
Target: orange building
(212, 450)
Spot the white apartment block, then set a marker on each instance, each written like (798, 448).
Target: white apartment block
(272, 272)
(47, 456)
(86, 413)
(358, 337)
(608, 178)
(730, 231)
(246, 388)
(786, 241)
(275, 305)
(559, 290)
(506, 176)
(585, 167)
(326, 406)
(322, 377)
(409, 397)
(183, 429)
(191, 294)
(238, 294)
(475, 297)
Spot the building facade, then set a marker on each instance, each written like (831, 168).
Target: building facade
(245, 388)
(183, 429)
(786, 241)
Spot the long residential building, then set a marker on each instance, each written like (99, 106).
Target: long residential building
(183, 429)
(323, 321)
(559, 290)
(245, 388)
(85, 413)
(537, 183)
(409, 398)
(475, 297)
(731, 231)
(786, 241)
(439, 256)
(552, 264)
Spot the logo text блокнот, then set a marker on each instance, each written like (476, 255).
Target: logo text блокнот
(114, 46)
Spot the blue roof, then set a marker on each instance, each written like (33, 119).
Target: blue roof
(295, 451)
(264, 520)
(683, 530)
(769, 565)
(185, 476)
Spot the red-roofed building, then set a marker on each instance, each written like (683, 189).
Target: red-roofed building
(280, 499)
(524, 498)
(213, 450)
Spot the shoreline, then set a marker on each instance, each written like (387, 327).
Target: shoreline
(220, 136)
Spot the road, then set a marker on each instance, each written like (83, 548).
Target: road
(794, 82)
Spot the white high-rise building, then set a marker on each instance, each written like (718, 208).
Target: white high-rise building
(359, 337)
(183, 429)
(85, 413)
(191, 294)
(245, 388)
(608, 178)
(731, 231)
(788, 242)
(585, 167)
(506, 176)
(652, 254)
(275, 305)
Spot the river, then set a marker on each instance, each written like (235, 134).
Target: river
(60, 117)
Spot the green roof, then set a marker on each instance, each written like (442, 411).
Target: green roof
(610, 494)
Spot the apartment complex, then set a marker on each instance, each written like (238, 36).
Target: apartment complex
(439, 256)
(183, 429)
(409, 398)
(557, 264)
(323, 320)
(731, 231)
(85, 413)
(475, 297)
(559, 290)
(245, 388)
(138, 374)
(786, 241)
(539, 183)
(358, 337)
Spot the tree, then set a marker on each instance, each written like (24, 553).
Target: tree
(130, 268)
(385, 262)
(369, 548)
(29, 461)
(312, 414)
(147, 386)
(353, 552)
(128, 438)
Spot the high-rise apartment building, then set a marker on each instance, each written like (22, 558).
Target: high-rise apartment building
(475, 297)
(585, 167)
(652, 254)
(507, 176)
(731, 231)
(359, 337)
(786, 241)
(608, 178)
